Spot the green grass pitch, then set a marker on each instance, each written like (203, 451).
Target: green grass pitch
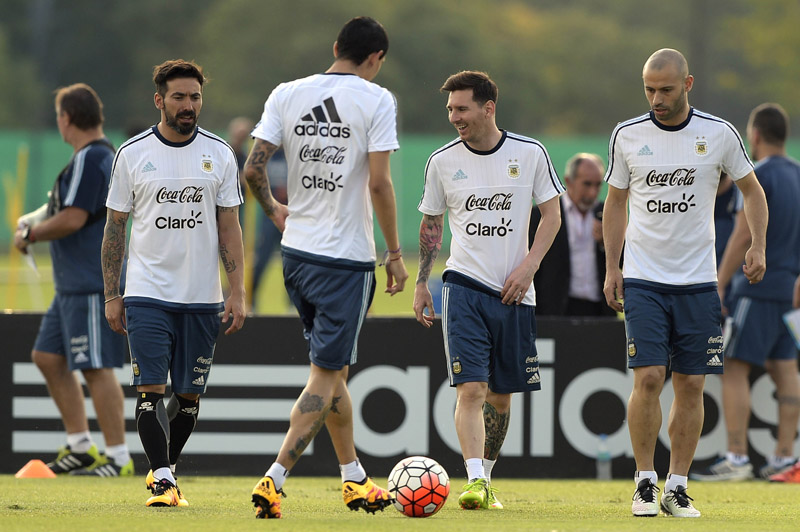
(314, 504)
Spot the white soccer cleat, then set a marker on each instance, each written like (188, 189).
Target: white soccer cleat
(645, 501)
(677, 503)
(724, 469)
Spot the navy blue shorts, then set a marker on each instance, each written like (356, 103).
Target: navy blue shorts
(75, 326)
(680, 331)
(755, 331)
(487, 341)
(332, 303)
(180, 344)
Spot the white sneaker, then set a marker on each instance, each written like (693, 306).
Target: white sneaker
(677, 503)
(724, 469)
(645, 503)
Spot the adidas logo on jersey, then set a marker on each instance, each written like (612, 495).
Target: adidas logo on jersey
(321, 124)
(645, 150)
(715, 361)
(149, 167)
(458, 176)
(81, 358)
(199, 381)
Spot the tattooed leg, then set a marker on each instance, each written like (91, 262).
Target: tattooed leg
(496, 415)
(340, 423)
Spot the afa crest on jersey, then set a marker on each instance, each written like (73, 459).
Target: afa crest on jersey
(513, 171)
(207, 165)
(701, 147)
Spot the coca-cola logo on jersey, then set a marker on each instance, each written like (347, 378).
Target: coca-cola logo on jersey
(327, 155)
(188, 194)
(680, 177)
(498, 202)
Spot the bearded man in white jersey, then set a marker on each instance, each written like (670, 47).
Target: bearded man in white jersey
(665, 166)
(179, 184)
(485, 179)
(338, 130)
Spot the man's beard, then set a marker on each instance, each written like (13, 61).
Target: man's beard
(181, 129)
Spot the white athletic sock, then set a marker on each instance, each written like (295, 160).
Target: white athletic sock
(119, 454)
(353, 471)
(173, 467)
(639, 475)
(278, 474)
(737, 459)
(673, 481)
(164, 473)
(80, 442)
(474, 468)
(488, 465)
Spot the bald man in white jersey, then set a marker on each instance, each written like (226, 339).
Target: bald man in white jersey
(665, 165)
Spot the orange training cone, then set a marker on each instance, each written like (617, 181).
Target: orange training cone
(35, 469)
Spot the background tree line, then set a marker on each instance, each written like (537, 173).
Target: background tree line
(564, 67)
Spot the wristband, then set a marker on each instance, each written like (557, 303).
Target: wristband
(386, 256)
(110, 299)
(28, 236)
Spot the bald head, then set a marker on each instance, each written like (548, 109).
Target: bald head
(667, 58)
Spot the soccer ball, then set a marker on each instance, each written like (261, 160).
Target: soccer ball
(419, 485)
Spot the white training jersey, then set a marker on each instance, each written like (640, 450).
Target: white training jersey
(172, 191)
(487, 195)
(672, 173)
(328, 123)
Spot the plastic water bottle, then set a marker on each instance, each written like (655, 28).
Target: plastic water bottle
(603, 458)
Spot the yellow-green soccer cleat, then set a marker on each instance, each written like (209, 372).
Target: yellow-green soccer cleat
(106, 468)
(164, 494)
(67, 460)
(267, 499)
(475, 495)
(494, 502)
(365, 495)
(150, 483)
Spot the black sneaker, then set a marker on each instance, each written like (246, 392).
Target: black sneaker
(67, 460)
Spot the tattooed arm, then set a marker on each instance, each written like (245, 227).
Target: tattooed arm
(111, 256)
(231, 253)
(255, 172)
(430, 242)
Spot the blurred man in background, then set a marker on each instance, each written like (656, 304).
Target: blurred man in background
(570, 279)
(73, 335)
(755, 334)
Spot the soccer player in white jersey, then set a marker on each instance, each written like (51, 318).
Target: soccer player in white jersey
(338, 130)
(665, 166)
(485, 179)
(179, 184)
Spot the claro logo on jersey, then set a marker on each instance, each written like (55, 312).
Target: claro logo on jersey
(329, 184)
(319, 124)
(168, 222)
(680, 177)
(188, 194)
(480, 229)
(498, 202)
(327, 155)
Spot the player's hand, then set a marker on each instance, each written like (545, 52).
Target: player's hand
(423, 300)
(115, 315)
(613, 290)
(235, 307)
(279, 214)
(755, 265)
(721, 293)
(20, 242)
(396, 276)
(517, 284)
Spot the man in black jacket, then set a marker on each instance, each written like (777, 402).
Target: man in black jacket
(570, 279)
